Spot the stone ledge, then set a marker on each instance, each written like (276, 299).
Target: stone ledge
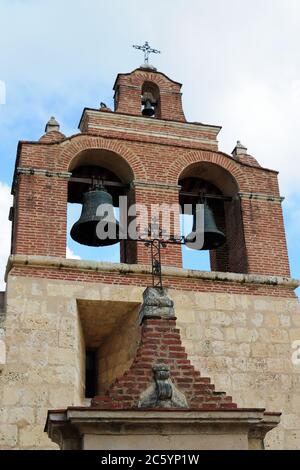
(124, 269)
(86, 428)
(252, 415)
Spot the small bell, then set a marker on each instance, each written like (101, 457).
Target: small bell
(211, 236)
(97, 225)
(148, 109)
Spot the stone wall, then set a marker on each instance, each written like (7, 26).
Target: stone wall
(243, 342)
(116, 353)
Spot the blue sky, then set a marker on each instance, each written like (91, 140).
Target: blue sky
(239, 63)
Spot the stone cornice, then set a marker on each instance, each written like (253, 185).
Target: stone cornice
(125, 118)
(154, 134)
(127, 269)
(42, 172)
(260, 197)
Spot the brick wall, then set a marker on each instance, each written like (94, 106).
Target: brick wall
(128, 88)
(123, 278)
(157, 152)
(160, 342)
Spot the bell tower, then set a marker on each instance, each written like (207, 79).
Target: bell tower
(97, 339)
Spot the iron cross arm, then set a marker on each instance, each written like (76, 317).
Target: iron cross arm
(147, 51)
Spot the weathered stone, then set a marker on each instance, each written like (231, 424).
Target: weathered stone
(156, 304)
(232, 354)
(33, 435)
(162, 393)
(220, 318)
(273, 335)
(214, 333)
(294, 334)
(295, 401)
(280, 364)
(292, 440)
(205, 302)
(21, 416)
(257, 319)
(230, 334)
(262, 304)
(291, 421)
(62, 396)
(3, 414)
(259, 350)
(194, 332)
(271, 320)
(285, 320)
(220, 348)
(241, 381)
(225, 302)
(8, 436)
(222, 381)
(187, 315)
(10, 395)
(247, 335)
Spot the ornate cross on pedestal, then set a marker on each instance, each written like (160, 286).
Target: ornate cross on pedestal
(153, 237)
(147, 50)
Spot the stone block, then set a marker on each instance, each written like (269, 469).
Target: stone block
(225, 302)
(10, 395)
(241, 381)
(229, 334)
(61, 396)
(256, 318)
(271, 320)
(285, 320)
(292, 440)
(259, 349)
(247, 335)
(21, 416)
(34, 436)
(291, 421)
(294, 334)
(35, 396)
(205, 301)
(8, 436)
(220, 319)
(214, 333)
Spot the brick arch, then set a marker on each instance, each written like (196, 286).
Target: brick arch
(161, 81)
(198, 156)
(82, 142)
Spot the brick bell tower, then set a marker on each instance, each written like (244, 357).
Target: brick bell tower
(123, 365)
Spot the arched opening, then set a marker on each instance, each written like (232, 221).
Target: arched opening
(150, 105)
(97, 168)
(214, 185)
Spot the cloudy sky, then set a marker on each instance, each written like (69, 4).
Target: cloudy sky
(239, 63)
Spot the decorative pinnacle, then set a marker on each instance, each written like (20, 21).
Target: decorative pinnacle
(239, 149)
(52, 125)
(147, 51)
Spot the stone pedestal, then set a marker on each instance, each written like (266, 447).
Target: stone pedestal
(92, 429)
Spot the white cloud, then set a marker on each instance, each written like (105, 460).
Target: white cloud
(5, 234)
(238, 61)
(71, 255)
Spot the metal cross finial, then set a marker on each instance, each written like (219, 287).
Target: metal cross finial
(147, 50)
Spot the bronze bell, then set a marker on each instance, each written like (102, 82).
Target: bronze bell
(148, 109)
(87, 229)
(213, 237)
